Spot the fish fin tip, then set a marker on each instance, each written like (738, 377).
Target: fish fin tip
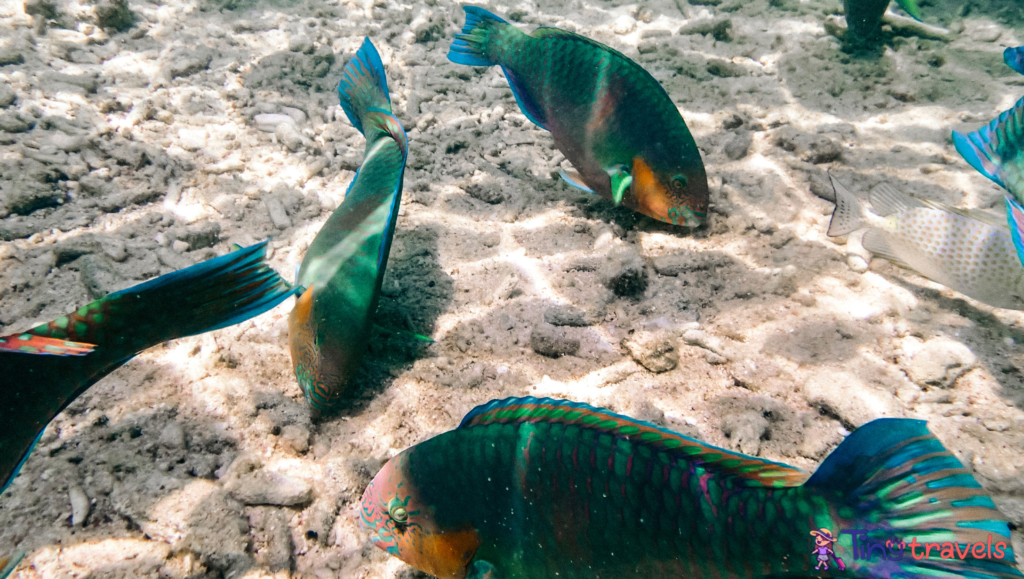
(1014, 58)
(8, 564)
(897, 477)
(911, 8)
(29, 343)
(1015, 220)
(876, 243)
(363, 85)
(848, 215)
(989, 148)
(471, 45)
(573, 178)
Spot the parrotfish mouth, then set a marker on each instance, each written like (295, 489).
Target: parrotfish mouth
(655, 199)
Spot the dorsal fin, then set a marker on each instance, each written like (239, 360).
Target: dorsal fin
(887, 200)
(753, 472)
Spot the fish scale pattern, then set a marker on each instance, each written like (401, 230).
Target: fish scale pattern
(996, 150)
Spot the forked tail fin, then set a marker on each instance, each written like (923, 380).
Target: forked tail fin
(899, 482)
(848, 215)
(473, 45)
(997, 150)
(364, 86)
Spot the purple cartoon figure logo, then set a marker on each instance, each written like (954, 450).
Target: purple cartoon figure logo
(823, 541)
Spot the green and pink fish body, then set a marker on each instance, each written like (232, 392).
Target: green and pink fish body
(341, 274)
(997, 149)
(609, 117)
(44, 369)
(549, 489)
(969, 251)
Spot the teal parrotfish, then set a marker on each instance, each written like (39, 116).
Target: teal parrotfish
(966, 250)
(340, 276)
(47, 367)
(864, 18)
(997, 150)
(1014, 58)
(529, 488)
(610, 118)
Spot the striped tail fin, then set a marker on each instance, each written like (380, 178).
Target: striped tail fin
(1015, 219)
(364, 86)
(898, 482)
(472, 45)
(997, 150)
(1014, 58)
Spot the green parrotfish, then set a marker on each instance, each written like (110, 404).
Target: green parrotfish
(340, 276)
(864, 18)
(529, 488)
(997, 149)
(967, 250)
(44, 369)
(610, 118)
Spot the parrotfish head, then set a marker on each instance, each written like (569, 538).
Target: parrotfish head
(400, 523)
(671, 194)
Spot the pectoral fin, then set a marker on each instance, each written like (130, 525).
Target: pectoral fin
(621, 180)
(573, 178)
(482, 570)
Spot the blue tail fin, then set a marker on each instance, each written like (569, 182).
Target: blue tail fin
(1015, 219)
(899, 482)
(1014, 58)
(470, 47)
(364, 86)
(996, 150)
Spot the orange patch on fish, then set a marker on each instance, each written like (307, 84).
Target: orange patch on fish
(298, 322)
(651, 195)
(443, 554)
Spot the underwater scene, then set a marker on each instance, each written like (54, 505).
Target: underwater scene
(360, 289)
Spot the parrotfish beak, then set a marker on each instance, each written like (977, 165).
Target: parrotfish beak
(655, 198)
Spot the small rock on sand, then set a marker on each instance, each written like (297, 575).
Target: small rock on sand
(745, 430)
(940, 363)
(553, 342)
(7, 96)
(848, 398)
(655, 351)
(266, 487)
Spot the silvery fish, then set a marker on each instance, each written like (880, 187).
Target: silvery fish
(966, 250)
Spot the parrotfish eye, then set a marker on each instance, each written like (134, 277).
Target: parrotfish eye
(397, 512)
(679, 182)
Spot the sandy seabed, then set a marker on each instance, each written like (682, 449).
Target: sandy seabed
(126, 155)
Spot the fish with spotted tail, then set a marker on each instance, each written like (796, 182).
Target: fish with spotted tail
(340, 276)
(610, 118)
(550, 489)
(45, 368)
(967, 250)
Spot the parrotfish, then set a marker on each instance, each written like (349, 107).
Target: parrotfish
(549, 489)
(47, 367)
(340, 276)
(1014, 58)
(967, 250)
(997, 150)
(864, 17)
(1015, 219)
(610, 118)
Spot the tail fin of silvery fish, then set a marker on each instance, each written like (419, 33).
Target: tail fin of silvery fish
(900, 483)
(364, 86)
(472, 46)
(1014, 58)
(1015, 219)
(996, 150)
(7, 564)
(849, 212)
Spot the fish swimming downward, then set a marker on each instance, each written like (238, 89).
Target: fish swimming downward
(549, 489)
(610, 118)
(864, 18)
(1014, 58)
(997, 150)
(44, 369)
(340, 277)
(966, 250)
